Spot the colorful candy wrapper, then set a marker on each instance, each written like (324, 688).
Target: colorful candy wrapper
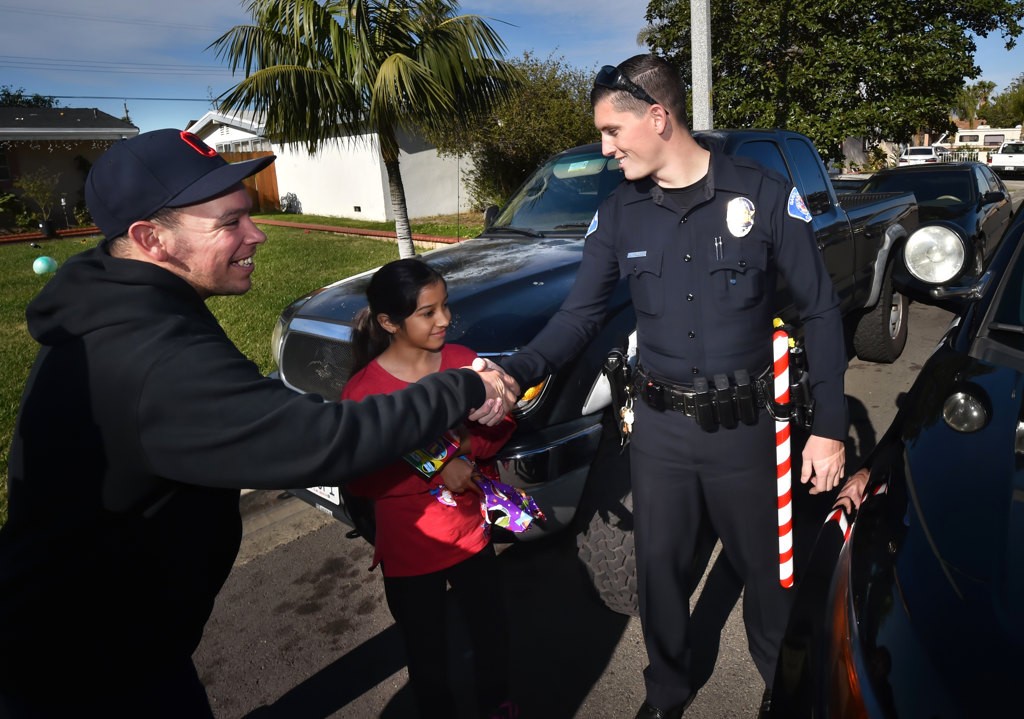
(504, 505)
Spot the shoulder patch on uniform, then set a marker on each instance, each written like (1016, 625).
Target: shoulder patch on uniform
(593, 226)
(796, 207)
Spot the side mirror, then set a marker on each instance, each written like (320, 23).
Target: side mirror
(992, 197)
(490, 214)
(819, 202)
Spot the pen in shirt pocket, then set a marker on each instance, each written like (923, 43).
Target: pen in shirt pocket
(718, 248)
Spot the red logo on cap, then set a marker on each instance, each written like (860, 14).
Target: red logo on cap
(198, 145)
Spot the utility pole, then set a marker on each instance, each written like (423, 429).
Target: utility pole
(700, 56)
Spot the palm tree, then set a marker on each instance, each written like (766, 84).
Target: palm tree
(316, 73)
(970, 99)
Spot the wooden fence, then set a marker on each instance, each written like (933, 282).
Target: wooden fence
(262, 186)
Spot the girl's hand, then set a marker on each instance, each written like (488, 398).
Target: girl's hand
(457, 476)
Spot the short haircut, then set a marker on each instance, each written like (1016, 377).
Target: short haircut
(657, 77)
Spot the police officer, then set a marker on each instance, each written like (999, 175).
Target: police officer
(702, 237)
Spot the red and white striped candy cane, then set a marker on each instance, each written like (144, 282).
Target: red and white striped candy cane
(783, 463)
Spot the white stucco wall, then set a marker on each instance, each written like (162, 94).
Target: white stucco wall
(433, 184)
(351, 174)
(338, 179)
(348, 178)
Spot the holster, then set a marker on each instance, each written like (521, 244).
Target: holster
(616, 369)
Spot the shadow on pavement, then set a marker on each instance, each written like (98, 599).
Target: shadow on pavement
(562, 641)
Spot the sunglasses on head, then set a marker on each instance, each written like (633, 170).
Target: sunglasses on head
(613, 78)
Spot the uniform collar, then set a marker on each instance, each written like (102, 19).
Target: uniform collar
(722, 175)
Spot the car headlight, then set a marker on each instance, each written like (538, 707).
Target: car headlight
(276, 339)
(965, 412)
(281, 328)
(935, 254)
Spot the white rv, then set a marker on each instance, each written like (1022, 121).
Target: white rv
(982, 137)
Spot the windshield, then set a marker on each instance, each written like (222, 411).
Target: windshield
(1012, 147)
(935, 189)
(562, 195)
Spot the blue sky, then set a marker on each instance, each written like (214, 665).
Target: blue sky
(152, 57)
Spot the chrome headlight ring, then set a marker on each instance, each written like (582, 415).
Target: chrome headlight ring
(935, 254)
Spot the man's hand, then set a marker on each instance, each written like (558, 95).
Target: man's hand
(852, 493)
(824, 461)
(502, 392)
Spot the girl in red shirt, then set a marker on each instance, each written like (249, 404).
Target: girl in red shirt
(430, 531)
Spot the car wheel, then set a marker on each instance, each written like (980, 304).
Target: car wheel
(604, 541)
(881, 332)
(604, 523)
(606, 551)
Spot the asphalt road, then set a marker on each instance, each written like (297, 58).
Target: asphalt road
(301, 629)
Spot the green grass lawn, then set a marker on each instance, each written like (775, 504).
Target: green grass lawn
(291, 263)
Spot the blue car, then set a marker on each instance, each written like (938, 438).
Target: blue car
(914, 605)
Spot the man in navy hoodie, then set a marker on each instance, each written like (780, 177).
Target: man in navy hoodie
(140, 423)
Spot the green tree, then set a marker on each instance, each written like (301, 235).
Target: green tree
(11, 97)
(878, 69)
(549, 113)
(317, 73)
(1007, 108)
(40, 188)
(973, 99)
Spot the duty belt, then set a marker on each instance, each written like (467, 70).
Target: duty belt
(724, 401)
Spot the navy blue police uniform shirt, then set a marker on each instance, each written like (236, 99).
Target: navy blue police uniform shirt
(703, 284)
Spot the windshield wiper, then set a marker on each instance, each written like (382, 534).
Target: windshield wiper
(517, 230)
(572, 225)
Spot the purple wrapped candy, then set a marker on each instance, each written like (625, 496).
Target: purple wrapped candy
(506, 506)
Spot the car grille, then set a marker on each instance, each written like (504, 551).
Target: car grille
(317, 363)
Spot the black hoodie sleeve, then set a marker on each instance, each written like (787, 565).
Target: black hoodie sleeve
(225, 425)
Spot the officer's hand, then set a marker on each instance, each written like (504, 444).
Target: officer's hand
(502, 392)
(824, 461)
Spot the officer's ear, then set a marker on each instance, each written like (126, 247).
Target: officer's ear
(659, 117)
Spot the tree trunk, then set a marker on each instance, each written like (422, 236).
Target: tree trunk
(403, 230)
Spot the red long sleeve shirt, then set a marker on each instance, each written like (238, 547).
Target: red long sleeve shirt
(417, 534)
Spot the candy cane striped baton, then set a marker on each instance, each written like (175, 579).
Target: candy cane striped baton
(783, 463)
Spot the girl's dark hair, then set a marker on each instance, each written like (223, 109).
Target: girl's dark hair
(394, 291)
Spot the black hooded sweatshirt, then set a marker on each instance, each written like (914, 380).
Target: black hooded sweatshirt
(139, 424)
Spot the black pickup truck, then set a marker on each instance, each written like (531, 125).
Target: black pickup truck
(504, 286)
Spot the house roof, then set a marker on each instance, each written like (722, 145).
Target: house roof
(62, 123)
(243, 120)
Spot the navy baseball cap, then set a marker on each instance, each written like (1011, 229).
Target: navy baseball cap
(139, 176)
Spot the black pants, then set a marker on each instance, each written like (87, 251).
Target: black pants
(679, 473)
(173, 692)
(418, 606)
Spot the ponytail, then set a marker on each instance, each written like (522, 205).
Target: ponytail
(368, 339)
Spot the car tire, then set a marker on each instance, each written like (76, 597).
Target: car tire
(881, 332)
(604, 524)
(604, 539)
(605, 549)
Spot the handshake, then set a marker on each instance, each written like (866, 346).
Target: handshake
(502, 392)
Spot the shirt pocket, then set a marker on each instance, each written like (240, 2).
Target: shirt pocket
(643, 268)
(738, 267)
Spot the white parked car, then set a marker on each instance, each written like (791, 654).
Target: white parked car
(920, 155)
(1008, 160)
